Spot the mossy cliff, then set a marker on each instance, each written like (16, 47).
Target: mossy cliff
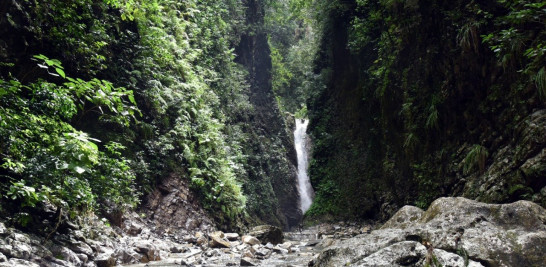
(271, 187)
(423, 100)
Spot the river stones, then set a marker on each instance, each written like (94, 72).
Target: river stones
(268, 234)
(486, 234)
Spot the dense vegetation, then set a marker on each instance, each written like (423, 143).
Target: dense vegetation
(103, 99)
(421, 99)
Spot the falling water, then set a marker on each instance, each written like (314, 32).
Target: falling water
(304, 186)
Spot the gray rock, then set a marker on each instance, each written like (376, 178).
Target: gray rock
(406, 253)
(81, 247)
(212, 253)
(133, 227)
(535, 167)
(3, 229)
(70, 256)
(247, 262)
(3, 258)
(404, 217)
(126, 255)
(448, 259)
(18, 263)
(280, 250)
(268, 233)
(248, 254)
(216, 241)
(200, 239)
(263, 253)
(105, 260)
(287, 245)
(231, 236)
(17, 249)
(497, 234)
(247, 239)
(83, 258)
(148, 250)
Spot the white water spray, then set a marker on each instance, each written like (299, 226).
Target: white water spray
(301, 143)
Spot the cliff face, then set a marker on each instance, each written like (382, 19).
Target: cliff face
(271, 189)
(420, 104)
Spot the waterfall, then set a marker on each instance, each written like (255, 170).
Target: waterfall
(301, 143)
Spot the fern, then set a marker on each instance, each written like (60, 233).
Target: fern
(432, 120)
(476, 157)
(540, 81)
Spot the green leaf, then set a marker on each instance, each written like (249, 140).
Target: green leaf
(131, 97)
(61, 72)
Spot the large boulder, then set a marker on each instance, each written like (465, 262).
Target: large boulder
(268, 234)
(451, 231)
(218, 240)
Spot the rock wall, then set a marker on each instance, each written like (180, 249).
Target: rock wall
(174, 209)
(271, 189)
(409, 112)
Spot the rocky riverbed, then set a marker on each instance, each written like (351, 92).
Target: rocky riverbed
(452, 232)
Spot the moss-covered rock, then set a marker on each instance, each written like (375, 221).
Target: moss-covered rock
(452, 229)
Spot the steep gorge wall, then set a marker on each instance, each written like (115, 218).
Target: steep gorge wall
(416, 106)
(271, 188)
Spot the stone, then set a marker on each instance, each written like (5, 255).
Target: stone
(269, 246)
(294, 249)
(312, 243)
(219, 234)
(247, 262)
(267, 234)
(83, 258)
(263, 253)
(326, 243)
(287, 245)
(212, 253)
(133, 228)
(81, 247)
(280, 250)
(13, 262)
(105, 260)
(201, 239)
(218, 242)
(241, 247)
(494, 234)
(404, 217)
(148, 250)
(450, 259)
(3, 258)
(3, 229)
(70, 256)
(248, 254)
(231, 236)
(17, 249)
(535, 167)
(406, 253)
(247, 239)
